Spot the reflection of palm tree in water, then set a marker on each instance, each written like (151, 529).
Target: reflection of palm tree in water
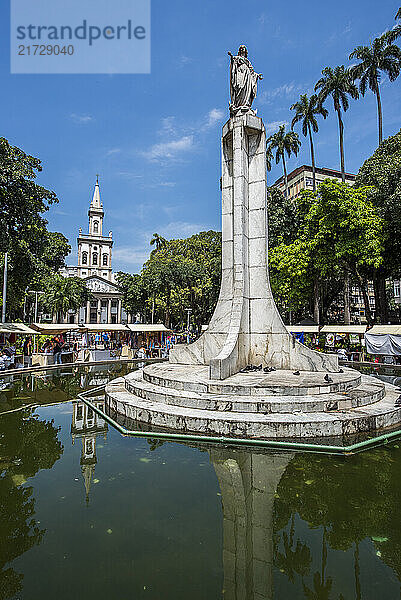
(357, 572)
(293, 560)
(321, 584)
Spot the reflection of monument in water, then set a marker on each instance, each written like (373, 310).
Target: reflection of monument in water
(94, 376)
(248, 483)
(87, 425)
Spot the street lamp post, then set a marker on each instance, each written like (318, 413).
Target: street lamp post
(37, 293)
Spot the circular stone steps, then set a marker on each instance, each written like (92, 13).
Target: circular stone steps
(254, 425)
(195, 378)
(254, 405)
(367, 393)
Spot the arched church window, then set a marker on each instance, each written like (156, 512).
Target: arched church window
(95, 227)
(84, 258)
(105, 260)
(94, 258)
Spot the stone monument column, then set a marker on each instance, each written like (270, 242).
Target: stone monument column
(246, 327)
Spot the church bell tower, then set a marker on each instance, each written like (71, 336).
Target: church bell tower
(94, 248)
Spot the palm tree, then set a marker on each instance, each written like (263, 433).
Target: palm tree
(158, 241)
(338, 84)
(306, 110)
(395, 33)
(65, 293)
(380, 56)
(279, 144)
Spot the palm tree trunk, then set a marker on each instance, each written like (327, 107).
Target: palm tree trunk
(341, 130)
(379, 113)
(312, 154)
(285, 176)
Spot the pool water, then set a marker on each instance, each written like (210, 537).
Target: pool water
(88, 513)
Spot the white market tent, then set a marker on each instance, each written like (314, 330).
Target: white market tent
(16, 328)
(147, 327)
(302, 328)
(384, 339)
(353, 329)
(54, 328)
(93, 327)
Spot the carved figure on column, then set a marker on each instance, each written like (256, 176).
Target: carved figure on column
(243, 82)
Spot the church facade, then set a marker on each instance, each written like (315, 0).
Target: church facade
(95, 267)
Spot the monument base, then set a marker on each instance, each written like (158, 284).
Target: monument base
(254, 405)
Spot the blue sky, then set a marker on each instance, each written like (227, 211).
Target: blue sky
(155, 139)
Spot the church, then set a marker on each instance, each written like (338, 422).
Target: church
(95, 267)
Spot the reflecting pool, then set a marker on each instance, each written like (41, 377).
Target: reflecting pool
(88, 513)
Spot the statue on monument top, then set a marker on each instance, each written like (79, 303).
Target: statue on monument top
(243, 82)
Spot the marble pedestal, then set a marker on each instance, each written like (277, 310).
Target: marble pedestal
(246, 327)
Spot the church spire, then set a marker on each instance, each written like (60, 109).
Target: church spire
(96, 195)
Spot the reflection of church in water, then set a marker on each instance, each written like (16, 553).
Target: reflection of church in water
(88, 425)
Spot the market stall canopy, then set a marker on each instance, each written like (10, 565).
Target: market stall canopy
(359, 329)
(93, 327)
(385, 329)
(302, 328)
(384, 339)
(147, 327)
(54, 328)
(16, 328)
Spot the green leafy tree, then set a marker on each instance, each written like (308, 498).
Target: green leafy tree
(338, 84)
(382, 172)
(134, 293)
(278, 145)
(65, 293)
(306, 111)
(283, 216)
(380, 57)
(184, 273)
(33, 251)
(341, 233)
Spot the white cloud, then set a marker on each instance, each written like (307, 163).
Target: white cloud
(183, 61)
(214, 116)
(274, 125)
(156, 184)
(81, 119)
(169, 150)
(286, 90)
(181, 229)
(129, 175)
(130, 255)
(113, 151)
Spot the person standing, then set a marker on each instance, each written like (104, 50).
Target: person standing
(57, 351)
(27, 351)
